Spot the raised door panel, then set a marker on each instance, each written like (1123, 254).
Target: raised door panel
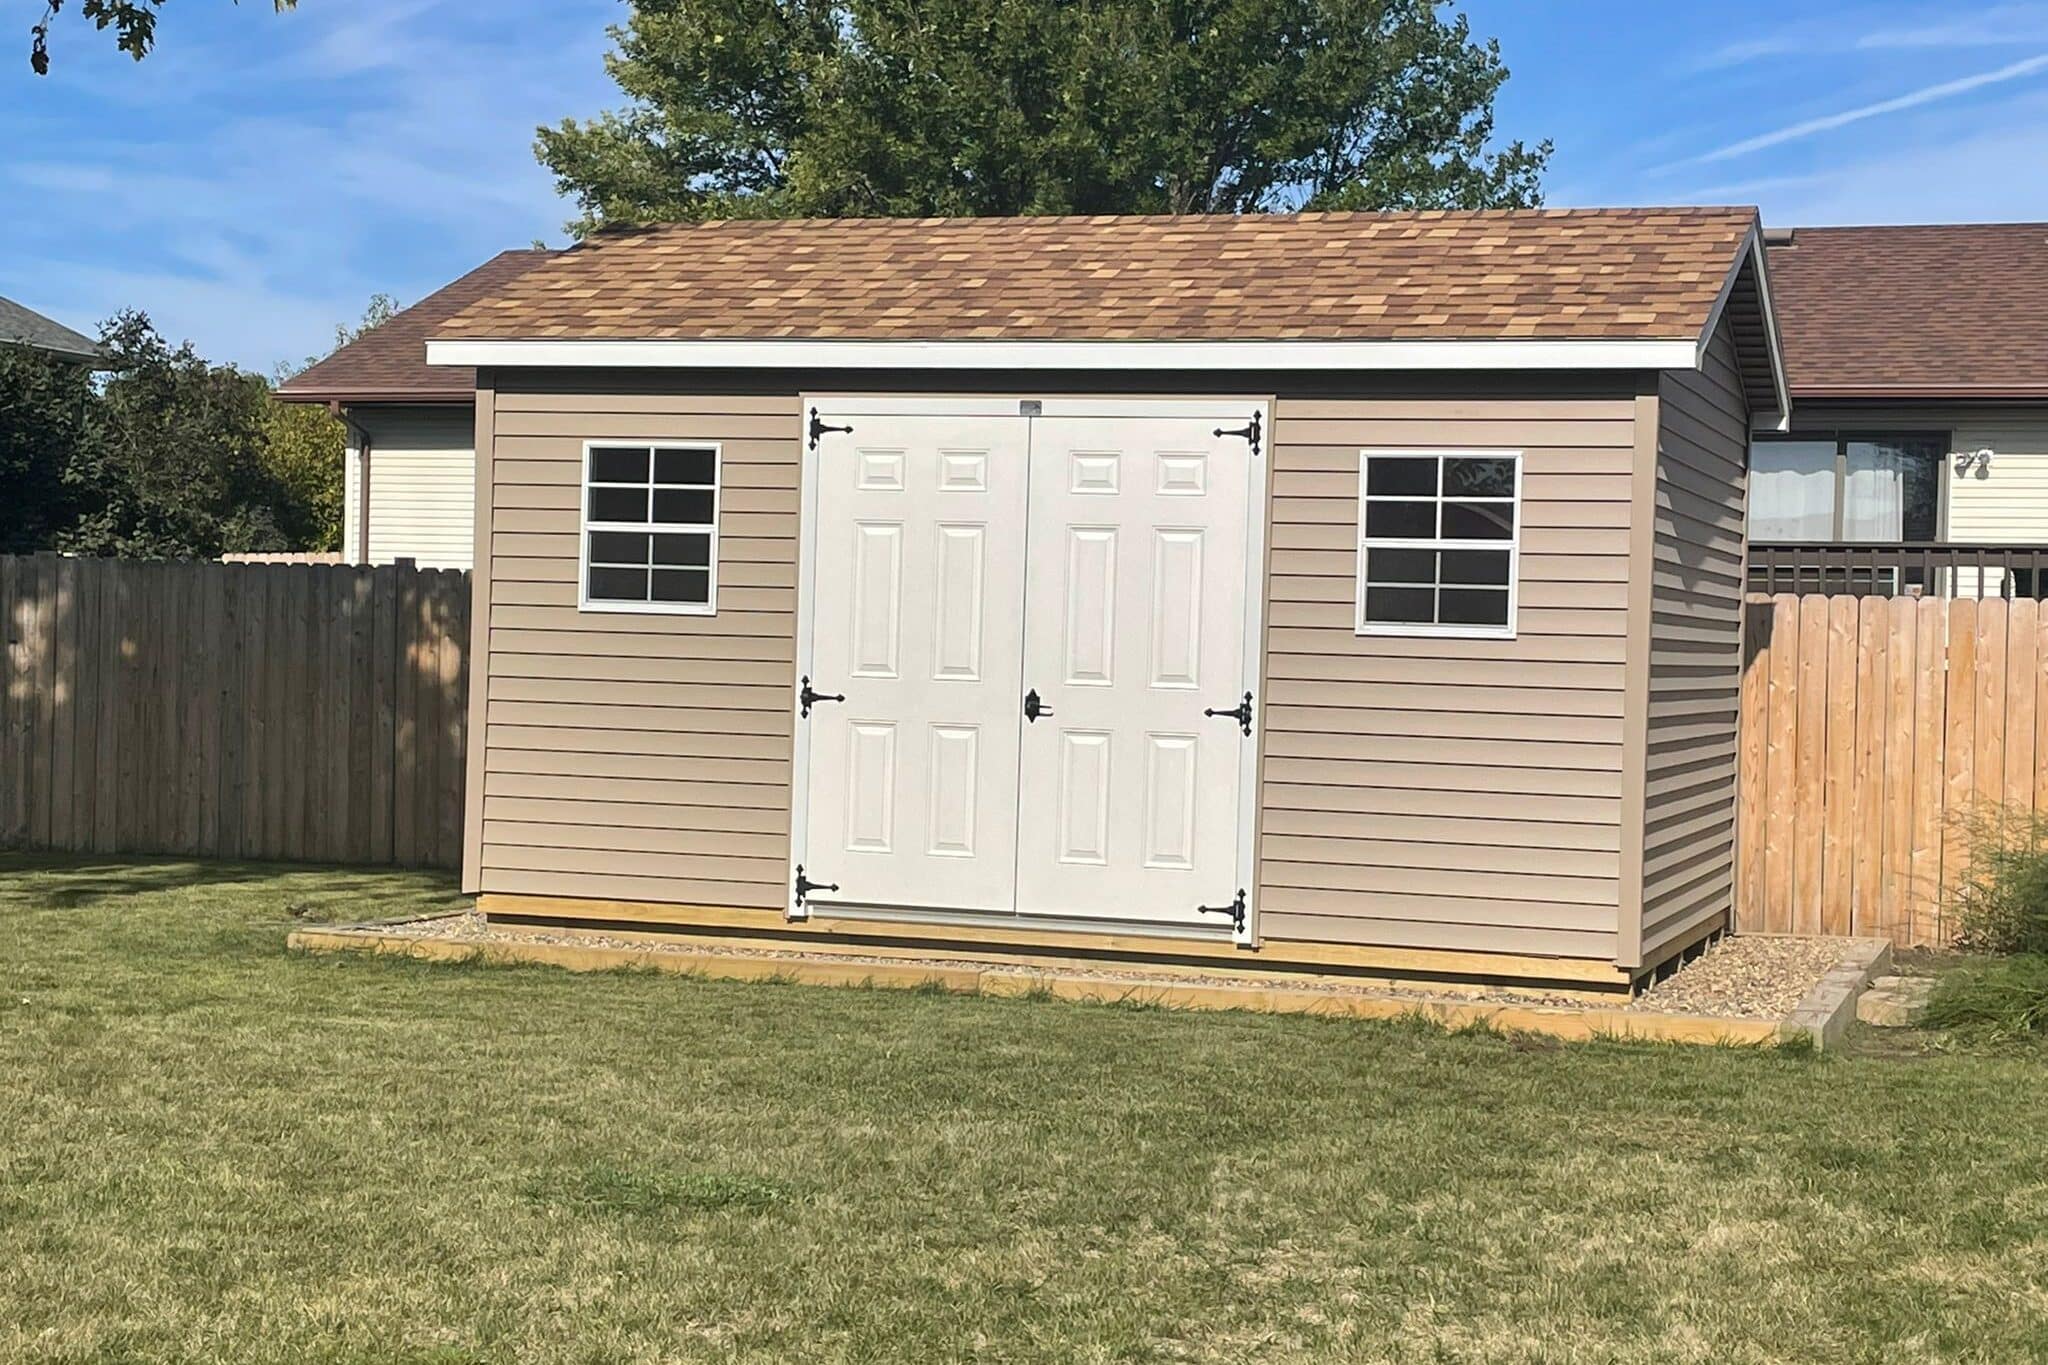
(918, 586)
(1134, 625)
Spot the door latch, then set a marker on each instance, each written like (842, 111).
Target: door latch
(805, 886)
(1241, 713)
(1033, 707)
(1235, 910)
(811, 696)
(1249, 431)
(819, 427)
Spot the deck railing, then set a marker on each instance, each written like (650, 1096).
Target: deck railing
(1909, 569)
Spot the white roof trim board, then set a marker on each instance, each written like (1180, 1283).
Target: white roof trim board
(796, 353)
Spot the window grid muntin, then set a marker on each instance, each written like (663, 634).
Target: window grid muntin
(1510, 545)
(685, 533)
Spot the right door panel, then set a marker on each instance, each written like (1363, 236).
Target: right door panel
(1134, 624)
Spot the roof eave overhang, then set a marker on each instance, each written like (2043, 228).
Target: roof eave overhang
(1753, 254)
(1922, 393)
(433, 398)
(1000, 354)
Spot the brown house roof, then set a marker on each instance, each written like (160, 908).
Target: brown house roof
(1914, 312)
(1622, 274)
(389, 363)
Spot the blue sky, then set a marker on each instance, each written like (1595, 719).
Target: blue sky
(261, 175)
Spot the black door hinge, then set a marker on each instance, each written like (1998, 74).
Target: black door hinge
(1250, 432)
(1241, 713)
(1235, 910)
(819, 427)
(805, 886)
(810, 697)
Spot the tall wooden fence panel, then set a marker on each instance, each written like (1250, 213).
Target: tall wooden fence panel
(1869, 725)
(304, 712)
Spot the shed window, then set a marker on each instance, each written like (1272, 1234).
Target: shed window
(650, 527)
(1438, 532)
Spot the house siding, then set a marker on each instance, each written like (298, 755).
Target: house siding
(1695, 654)
(1415, 793)
(421, 500)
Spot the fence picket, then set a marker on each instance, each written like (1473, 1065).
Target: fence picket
(231, 711)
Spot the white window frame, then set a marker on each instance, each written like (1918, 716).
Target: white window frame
(584, 526)
(1513, 545)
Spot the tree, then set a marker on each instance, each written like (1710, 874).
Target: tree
(772, 108)
(170, 464)
(133, 22)
(44, 406)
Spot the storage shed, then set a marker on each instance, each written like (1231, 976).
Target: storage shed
(1335, 592)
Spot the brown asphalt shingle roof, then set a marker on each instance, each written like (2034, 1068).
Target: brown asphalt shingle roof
(1633, 274)
(1905, 312)
(389, 363)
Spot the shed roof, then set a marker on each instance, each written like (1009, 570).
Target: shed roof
(21, 326)
(1577, 274)
(388, 363)
(1954, 311)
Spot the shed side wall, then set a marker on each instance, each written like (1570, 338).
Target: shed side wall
(1416, 793)
(1695, 653)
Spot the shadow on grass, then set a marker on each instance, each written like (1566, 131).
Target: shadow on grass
(65, 881)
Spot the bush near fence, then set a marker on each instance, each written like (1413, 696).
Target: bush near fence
(1871, 729)
(305, 712)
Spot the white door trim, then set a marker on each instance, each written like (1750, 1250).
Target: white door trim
(1233, 410)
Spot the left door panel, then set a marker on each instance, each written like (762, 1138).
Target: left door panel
(918, 578)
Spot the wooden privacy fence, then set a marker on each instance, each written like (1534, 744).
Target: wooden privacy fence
(1869, 724)
(291, 711)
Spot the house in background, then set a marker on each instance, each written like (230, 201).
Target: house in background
(1917, 457)
(410, 490)
(21, 326)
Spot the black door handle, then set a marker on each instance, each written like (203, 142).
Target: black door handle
(1033, 707)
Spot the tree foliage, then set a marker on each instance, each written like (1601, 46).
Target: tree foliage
(44, 406)
(133, 23)
(305, 445)
(768, 108)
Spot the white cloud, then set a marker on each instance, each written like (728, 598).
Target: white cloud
(1913, 99)
(2013, 25)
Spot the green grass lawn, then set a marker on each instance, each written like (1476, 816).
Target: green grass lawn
(213, 1148)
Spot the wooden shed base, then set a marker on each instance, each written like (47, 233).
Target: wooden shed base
(1444, 972)
(1153, 985)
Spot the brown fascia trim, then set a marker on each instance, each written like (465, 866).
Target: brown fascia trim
(442, 398)
(1976, 393)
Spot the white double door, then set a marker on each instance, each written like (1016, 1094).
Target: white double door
(1028, 618)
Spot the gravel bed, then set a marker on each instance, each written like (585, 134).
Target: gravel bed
(1736, 978)
(1745, 975)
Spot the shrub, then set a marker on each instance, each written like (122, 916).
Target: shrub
(2001, 904)
(2008, 996)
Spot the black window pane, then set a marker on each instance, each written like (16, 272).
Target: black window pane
(674, 506)
(617, 547)
(682, 585)
(618, 585)
(1479, 521)
(690, 551)
(1479, 478)
(1476, 566)
(1400, 475)
(1475, 607)
(1400, 606)
(618, 504)
(618, 464)
(1400, 520)
(1400, 566)
(684, 466)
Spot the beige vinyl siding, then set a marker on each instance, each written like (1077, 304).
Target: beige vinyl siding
(422, 485)
(2007, 503)
(352, 499)
(638, 757)
(1694, 654)
(1447, 793)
